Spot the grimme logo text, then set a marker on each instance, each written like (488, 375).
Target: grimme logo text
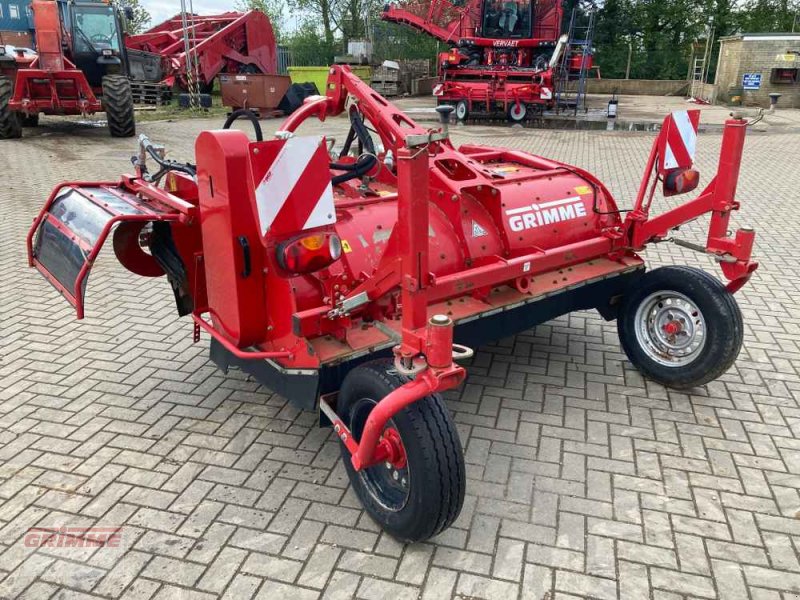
(73, 537)
(537, 215)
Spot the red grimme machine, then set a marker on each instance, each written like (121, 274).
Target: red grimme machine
(231, 42)
(352, 280)
(502, 55)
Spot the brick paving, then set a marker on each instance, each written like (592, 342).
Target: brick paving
(584, 480)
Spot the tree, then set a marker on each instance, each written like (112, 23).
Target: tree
(329, 12)
(141, 18)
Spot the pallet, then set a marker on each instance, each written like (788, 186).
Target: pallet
(148, 92)
(382, 73)
(392, 88)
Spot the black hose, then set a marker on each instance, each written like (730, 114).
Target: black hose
(171, 165)
(366, 161)
(243, 113)
(348, 142)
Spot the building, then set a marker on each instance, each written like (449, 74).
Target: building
(15, 23)
(753, 65)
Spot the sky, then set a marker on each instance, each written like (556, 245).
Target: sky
(161, 10)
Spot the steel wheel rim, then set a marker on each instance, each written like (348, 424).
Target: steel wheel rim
(518, 112)
(670, 328)
(461, 110)
(388, 485)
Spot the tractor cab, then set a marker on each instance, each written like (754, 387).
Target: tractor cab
(95, 34)
(507, 19)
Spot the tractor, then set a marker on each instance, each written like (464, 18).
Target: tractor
(352, 278)
(81, 68)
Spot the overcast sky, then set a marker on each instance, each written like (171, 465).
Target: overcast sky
(161, 10)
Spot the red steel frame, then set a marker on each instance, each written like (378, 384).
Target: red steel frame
(51, 84)
(184, 212)
(216, 43)
(426, 346)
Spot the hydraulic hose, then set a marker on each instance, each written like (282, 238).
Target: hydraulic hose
(171, 165)
(366, 161)
(243, 113)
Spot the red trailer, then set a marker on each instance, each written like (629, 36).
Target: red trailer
(231, 42)
(341, 283)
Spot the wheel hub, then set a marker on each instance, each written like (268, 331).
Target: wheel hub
(393, 445)
(388, 482)
(670, 328)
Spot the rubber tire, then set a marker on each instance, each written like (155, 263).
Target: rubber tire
(433, 448)
(30, 121)
(10, 123)
(462, 110)
(118, 104)
(724, 326)
(520, 117)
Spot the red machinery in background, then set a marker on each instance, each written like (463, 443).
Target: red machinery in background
(80, 69)
(305, 265)
(503, 53)
(231, 42)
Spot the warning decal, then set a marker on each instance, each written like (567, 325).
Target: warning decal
(478, 231)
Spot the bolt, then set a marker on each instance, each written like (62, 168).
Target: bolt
(388, 465)
(395, 475)
(403, 482)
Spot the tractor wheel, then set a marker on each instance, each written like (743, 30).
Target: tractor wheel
(680, 327)
(462, 110)
(10, 124)
(517, 112)
(118, 104)
(30, 121)
(420, 495)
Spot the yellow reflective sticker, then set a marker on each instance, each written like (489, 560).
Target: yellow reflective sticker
(346, 246)
(583, 189)
(172, 183)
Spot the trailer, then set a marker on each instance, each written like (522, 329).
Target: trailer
(353, 281)
(231, 42)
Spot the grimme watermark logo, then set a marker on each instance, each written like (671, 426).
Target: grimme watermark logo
(73, 537)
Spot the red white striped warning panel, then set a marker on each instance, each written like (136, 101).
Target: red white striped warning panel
(294, 192)
(678, 140)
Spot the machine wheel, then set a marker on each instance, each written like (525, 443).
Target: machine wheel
(118, 104)
(680, 327)
(30, 121)
(422, 494)
(10, 124)
(517, 112)
(462, 110)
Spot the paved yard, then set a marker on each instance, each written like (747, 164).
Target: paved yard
(584, 480)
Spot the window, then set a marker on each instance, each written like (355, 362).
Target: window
(784, 76)
(95, 29)
(13, 11)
